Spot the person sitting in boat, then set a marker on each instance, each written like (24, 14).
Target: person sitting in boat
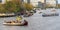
(7, 21)
(25, 22)
(12, 21)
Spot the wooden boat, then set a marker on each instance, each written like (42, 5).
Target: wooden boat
(16, 24)
(13, 24)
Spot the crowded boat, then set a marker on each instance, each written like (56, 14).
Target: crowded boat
(18, 22)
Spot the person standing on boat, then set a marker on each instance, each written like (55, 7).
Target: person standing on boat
(19, 18)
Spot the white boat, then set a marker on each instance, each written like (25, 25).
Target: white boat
(50, 14)
(15, 24)
(6, 14)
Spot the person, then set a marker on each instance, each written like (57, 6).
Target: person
(18, 19)
(25, 22)
(7, 21)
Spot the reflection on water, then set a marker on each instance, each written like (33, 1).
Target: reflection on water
(36, 22)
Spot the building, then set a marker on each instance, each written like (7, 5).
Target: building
(51, 3)
(22, 0)
(3, 1)
(33, 2)
(36, 3)
(0, 1)
(56, 3)
(28, 1)
(41, 5)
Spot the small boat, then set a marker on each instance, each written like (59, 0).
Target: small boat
(28, 15)
(53, 11)
(16, 24)
(40, 12)
(52, 14)
(7, 14)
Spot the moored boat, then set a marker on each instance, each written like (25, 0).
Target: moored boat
(40, 12)
(7, 14)
(51, 14)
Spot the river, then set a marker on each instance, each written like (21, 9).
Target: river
(35, 22)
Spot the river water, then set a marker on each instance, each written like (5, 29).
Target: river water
(35, 22)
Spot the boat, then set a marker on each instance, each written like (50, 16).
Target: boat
(7, 14)
(28, 15)
(40, 12)
(13, 24)
(16, 24)
(50, 14)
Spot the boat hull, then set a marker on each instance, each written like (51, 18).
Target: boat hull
(46, 15)
(13, 24)
(16, 23)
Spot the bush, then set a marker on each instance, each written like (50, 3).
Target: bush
(15, 6)
(28, 6)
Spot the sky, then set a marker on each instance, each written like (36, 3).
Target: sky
(59, 1)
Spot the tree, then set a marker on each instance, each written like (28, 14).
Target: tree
(13, 6)
(28, 6)
(2, 9)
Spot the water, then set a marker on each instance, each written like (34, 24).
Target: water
(36, 22)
